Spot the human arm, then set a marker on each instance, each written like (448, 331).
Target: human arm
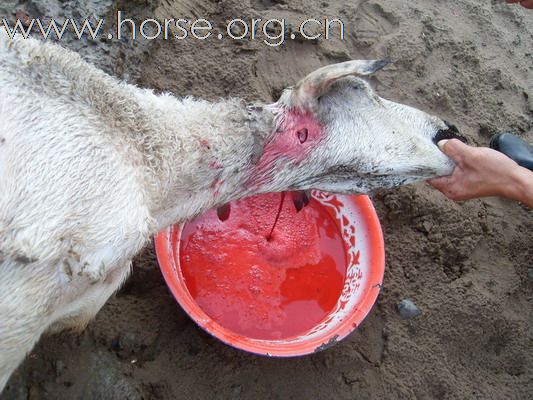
(482, 172)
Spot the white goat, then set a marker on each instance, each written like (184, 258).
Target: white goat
(91, 167)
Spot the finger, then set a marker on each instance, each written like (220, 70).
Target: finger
(455, 149)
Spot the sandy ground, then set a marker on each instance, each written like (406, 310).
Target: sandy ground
(468, 267)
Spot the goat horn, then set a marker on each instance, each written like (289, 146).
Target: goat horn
(314, 85)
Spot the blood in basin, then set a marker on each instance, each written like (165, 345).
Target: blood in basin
(259, 288)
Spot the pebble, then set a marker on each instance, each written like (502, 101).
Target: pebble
(427, 225)
(407, 309)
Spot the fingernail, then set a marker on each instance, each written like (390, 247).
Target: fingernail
(441, 143)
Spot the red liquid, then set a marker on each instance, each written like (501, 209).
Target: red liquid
(259, 288)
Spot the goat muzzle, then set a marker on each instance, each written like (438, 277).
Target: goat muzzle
(451, 132)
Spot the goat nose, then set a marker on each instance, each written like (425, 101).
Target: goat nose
(451, 132)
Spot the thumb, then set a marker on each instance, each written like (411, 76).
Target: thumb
(455, 149)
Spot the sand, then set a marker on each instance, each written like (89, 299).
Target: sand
(467, 266)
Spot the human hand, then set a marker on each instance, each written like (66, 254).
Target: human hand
(524, 3)
(481, 172)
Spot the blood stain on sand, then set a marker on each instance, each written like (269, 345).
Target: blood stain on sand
(265, 288)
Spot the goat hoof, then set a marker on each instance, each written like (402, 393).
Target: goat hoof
(223, 212)
(301, 199)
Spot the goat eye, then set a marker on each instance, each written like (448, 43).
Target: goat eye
(302, 135)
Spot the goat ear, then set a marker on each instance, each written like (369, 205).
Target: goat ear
(305, 94)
